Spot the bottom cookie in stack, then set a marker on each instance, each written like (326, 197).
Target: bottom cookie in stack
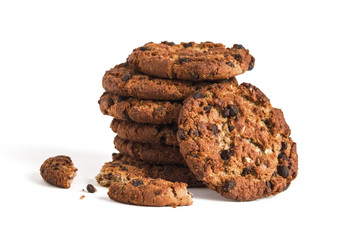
(133, 183)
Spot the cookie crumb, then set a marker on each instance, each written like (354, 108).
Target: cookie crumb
(82, 197)
(90, 188)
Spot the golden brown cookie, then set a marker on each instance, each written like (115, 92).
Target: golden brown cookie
(191, 61)
(236, 142)
(145, 132)
(139, 110)
(110, 171)
(150, 153)
(123, 80)
(131, 185)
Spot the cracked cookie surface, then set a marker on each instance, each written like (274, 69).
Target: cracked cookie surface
(191, 61)
(124, 81)
(155, 154)
(58, 171)
(132, 185)
(236, 142)
(139, 110)
(145, 132)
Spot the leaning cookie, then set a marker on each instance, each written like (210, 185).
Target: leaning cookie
(139, 110)
(123, 80)
(150, 153)
(133, 187)
(58, 171)
(240, 147)
(191, 61)
(145, 132)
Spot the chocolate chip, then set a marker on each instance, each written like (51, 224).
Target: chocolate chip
(251, 64)
(229, 185)
(233, 110)
(90, 188)
(212, 74)
(207, 108)
(186, 45)
(269, 184)
(57, 166)
(286, 187)
(282, 156)
(126, 77)
(137, 182)
(143, 49)
(238, 57)
(283, 146)
(238, 46)
(283, 171)
(230, 127)
(247, 171)
(184, 60)
(123, 168)
(231, 64)
(162, 140)
(226, 154)
(168, 43)
(181, 134)
(215, 129)
(99, 102)
(194, 75)
(225, 112)
(198, 95)
(195, 133)
(127, 117)
(110, 102)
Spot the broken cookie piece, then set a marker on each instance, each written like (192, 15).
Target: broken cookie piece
(58, 171)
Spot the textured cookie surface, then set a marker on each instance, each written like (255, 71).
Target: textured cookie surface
(139, 110)
(58, 171)
(145, 132)
(236, 142)
(124, 81)
(191, 61)
(131, 185)
(173, 173)
(156, 154)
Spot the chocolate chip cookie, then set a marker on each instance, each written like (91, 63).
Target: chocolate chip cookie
(236, 142)
(123, 80)
(109, 171)
(156, 154)
(191, 61)
(145, 132)
(58, 171)
(131, 185)
(139, 110)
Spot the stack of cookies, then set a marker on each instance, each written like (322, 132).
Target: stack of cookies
(166, 144)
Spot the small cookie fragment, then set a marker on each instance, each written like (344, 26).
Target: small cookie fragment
(58, 171)
(82, 197)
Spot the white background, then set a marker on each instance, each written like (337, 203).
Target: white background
(52, 59)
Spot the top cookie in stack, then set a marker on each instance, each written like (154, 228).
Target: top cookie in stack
(145, 94)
